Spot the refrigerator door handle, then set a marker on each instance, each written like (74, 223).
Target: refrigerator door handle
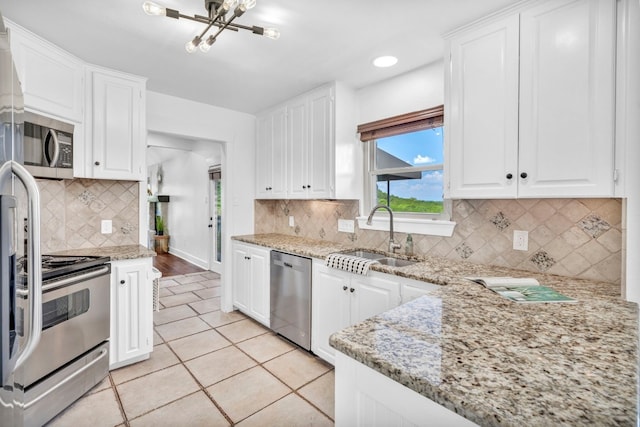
(34, 265)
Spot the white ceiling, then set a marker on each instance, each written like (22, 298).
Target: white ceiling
(320, 41)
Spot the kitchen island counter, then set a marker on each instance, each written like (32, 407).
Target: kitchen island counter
(493, 361)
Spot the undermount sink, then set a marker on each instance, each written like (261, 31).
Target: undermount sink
(395, 262)
(360, 253)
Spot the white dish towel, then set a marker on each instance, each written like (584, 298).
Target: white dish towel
(352, 264)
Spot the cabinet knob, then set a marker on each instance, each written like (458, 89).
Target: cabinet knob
(308, 186)
(509, 175)
(352, 290)
(122, 282)
(304, 187)
(97, 163)
(523, 175)
(344, 288)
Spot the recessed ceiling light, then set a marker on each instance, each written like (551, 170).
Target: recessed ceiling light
(385, 61)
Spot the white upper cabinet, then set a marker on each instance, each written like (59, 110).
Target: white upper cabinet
(530, 103)
(271, 155)
(322, 156)
(115, 126)
(52, 79)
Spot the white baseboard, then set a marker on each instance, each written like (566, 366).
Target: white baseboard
(190, 258)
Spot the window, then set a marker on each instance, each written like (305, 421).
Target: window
(405, 164)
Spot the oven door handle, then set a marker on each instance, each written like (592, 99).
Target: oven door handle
(73, 279)
(102, 354)
(34, 279)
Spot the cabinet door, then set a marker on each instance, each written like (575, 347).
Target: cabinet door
(271, 155)
(567, 99)
(241, 277)
(482, 133)
(321, 168)
(259, 292)
(132, 322)
(52, 80)
(330, 308)
(118, 144)
(371, 295)
(297, 143)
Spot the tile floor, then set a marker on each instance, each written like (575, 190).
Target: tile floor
(209, 368)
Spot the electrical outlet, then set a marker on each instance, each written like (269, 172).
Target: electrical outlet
(520, 240)
(292, 221)
(106, 227)
(346, 225)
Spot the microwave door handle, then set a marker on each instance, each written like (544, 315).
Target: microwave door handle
(52, 135)
(34, 260)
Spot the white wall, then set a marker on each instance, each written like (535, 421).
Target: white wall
(177, 116)
(186, 181)
(413, 91)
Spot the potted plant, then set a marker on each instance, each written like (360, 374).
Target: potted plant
(159, 225)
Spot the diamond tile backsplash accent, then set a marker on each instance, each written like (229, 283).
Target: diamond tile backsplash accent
(570, 237)
(72, 211)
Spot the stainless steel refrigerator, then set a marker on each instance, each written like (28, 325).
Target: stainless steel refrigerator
(20, 324)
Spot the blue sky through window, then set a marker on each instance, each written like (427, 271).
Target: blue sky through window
(422, 148)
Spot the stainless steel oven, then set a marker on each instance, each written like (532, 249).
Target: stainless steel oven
(72, 355)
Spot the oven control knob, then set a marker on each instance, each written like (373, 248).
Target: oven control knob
(122, 282)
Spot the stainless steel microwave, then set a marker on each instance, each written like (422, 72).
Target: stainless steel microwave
(48, 147)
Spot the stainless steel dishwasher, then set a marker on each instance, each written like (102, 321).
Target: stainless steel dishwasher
(291, 297)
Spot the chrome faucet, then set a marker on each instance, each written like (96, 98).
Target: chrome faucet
(392, 245)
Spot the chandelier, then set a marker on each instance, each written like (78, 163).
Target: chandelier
(221, 14)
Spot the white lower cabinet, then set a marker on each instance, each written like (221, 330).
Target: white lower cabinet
(365, 397)
(251, 291)
(131, 312)
(340, 299)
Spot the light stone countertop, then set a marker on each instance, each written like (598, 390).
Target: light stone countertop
(115, 253)
(493, 361)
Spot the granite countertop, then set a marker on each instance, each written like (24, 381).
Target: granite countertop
(115, 253)
(493, 361)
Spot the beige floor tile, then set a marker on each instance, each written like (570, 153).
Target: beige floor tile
(185, 280)
(289, 411)
(161, 357)
(296, 368)
(190, 287)
(242, 330)
(97, 409)
(208, 293)
(247, 393)
(266, 347)
(211, 275)
(321, 392)
(167, 283)
(211, 283)
(157, 339)
(181, 328)
(195, 410)
(198, 344)
(179, 299)
(154, 390)
(165, 292)
(219, 318)
(206, 306)
(172, 314)
(221, 364)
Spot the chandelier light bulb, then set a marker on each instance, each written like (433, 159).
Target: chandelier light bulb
(205, 46)
(272, 33)
(192, 45)
(154, 9)
(249, 4)
(229, 4)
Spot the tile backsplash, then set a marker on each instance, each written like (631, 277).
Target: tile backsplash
(72, 211)
(570, 237)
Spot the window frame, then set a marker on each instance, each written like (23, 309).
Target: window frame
(414, 222)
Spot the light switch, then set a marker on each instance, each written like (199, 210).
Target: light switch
(106, 227)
